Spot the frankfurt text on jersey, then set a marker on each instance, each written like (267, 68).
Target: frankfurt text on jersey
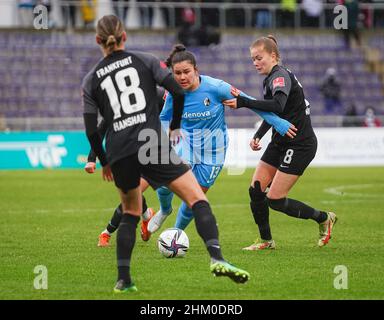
(113, 66)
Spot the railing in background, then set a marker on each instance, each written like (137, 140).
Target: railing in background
(225, 12)
(247, 8)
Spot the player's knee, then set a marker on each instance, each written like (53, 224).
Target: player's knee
(278, 204)
(255, 192)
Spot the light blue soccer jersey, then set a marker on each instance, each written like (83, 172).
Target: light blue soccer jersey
(204, 130)
(205, 137)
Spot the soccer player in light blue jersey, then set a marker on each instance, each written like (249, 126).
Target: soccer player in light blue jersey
(204, 139)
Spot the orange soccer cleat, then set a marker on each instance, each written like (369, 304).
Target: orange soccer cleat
(90, 167)
(104, 240)
(145, 234)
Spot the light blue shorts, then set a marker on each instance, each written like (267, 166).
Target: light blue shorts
(206, 174)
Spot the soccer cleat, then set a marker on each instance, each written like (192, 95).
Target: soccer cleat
(263, 245)
(104, 240)
(90, 167)
(326, 228)
(145, 234)
(122, 287)
(223, 268)
(157, 220)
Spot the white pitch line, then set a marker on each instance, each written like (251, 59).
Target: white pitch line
(342, 191)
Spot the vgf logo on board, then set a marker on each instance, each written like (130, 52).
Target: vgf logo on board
(40, 153)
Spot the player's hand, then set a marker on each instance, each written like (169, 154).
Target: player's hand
(175, 136)
(232, 103)
(235, 92)
(90, 167)
(291, 131)
(255, 144)
(107, 173)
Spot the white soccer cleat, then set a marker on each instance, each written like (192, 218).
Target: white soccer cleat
(156, 221)
(263, 245)
(326, 228)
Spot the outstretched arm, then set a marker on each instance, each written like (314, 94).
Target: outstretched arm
(282, 126)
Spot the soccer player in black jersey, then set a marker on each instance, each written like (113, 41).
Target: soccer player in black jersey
(113, 224)
(122, 88)
(148, 213)
(285, 159)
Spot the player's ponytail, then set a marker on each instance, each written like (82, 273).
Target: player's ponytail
(178, 54)
(110, 31)
(270, 45)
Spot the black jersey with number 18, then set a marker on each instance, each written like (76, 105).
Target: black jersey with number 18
(122, 88)
(297, 108)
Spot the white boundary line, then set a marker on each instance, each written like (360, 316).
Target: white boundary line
(342, 191)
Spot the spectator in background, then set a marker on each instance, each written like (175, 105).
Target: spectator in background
(120, 8)
(146, 14)
(26, 12)
(261, 17)
(88, 10)
(286, 14)
(209, 16)
(191, 35)
(312, 11)
(235, 17)
(371, 120)
(353, 18)
(351, 118)
(187, 33)
(330, 88)
(69, 14)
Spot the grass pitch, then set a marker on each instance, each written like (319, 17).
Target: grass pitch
(53, 218)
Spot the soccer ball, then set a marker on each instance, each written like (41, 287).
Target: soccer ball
(173, 242)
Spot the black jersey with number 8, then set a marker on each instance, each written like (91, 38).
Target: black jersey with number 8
(297, 108)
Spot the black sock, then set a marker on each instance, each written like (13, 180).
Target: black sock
(115, 220)
(319, 216)
(207, 229)
(126, 237)
(297, 209)
(260, 211)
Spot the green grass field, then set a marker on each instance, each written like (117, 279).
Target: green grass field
(53, 218)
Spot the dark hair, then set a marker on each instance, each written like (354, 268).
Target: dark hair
(269, 43)
(178, 54)
(110, 30)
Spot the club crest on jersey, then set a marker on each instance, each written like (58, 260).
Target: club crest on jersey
(207, 102)
(278, 82)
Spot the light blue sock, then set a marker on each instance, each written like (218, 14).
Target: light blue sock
(165, 197)
(184, 216)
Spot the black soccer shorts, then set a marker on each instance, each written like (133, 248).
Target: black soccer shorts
(291, 158)
(127, 171)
